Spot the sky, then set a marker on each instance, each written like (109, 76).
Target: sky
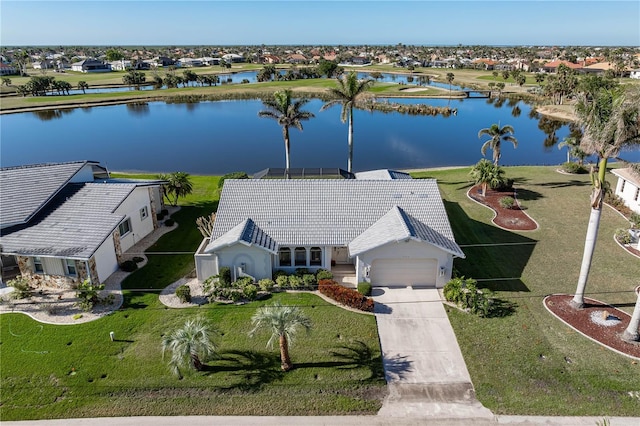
(328, 22)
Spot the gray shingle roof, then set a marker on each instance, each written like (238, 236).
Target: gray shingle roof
(25, 190)
(247, 233)
(74, 224)
(332, 212)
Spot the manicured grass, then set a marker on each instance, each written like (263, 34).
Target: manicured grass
(53, 371)
(529, 362)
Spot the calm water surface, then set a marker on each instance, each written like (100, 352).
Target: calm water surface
(224, 136)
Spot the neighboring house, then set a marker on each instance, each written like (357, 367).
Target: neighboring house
(360, 60)
(7, 69)
(635, 74)
(297, 58)
(188, 62)
(383, 174)
(552, 67)
(209, 61)
(43, 65)
(628, 187)
(91, 65)
(233, 58)
(391, 232)
(270, 59)
(121, 65)
(64, 222)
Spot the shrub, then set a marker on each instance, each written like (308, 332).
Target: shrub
(502, 185)
(323, 274)
(635, 220)
(21, 288)
(345, 296)
(128, 266)
(241, 283)
(50, 308)
(295, 281)
(250, 292)
(300, 272)
(279, 273)
(266, 284)
(138, 259)
(464, 293)
(233, 175)
(574, 168)
(184, 293)
(364, 288)
(236, 295)
(282, 281)
(224, 277)
(623, 236)
(507, 202)
(309, 281)
(87, 293)
(164, 212)
(169, 222)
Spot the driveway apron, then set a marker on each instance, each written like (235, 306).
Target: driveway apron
(423, 364)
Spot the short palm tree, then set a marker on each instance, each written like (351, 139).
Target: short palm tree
(487, 174)
(190, 345)
(283, 323)
(610, 121)
(497, 135)
(287, 113)
(83, 85)
(349, 91)
(178, 184)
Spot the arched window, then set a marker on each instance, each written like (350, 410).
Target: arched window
(284, 256)
(301, 256)
(316, 256)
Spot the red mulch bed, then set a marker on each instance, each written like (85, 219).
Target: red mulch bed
(514, 219)
(589, 321)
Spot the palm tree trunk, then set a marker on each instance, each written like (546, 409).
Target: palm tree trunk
(287, 147)
(284, 354)
(195, 360)
(631, 333)
(592, 234)
(350, 161)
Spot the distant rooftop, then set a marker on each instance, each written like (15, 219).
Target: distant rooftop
(304, 173)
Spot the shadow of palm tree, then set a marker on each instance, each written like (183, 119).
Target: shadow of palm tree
(356, 355)
(253, 369)
(528, 195)
(502, 308)
(381, 308)
(566, 184)
(396, 367)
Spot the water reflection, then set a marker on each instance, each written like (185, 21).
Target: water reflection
(138, 109)
(52, 114)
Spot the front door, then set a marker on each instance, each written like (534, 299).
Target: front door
(340, 255)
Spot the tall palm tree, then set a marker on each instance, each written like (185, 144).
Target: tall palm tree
(83, 85)
(190, 345)
(497, 135)
(610, 121)
(178, 184)
(283, 322)
(287, 113)
(349, 91)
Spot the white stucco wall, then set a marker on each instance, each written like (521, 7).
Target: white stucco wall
(628, 194)
(131, 209)
(257, 261)
(206, 263)
(106, 260)
(409, 250)
(85, 174)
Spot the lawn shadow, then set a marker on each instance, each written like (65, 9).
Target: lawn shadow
(494, 256)
(565, 184)
(502, 308)
(381, 308)
(528, 195)
(253, 369)
(356, 355)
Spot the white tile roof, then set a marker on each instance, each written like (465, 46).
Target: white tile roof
(299, 212)
(627, 174)
(247, 233)
(382, 174)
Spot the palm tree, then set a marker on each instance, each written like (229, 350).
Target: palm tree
(497, 134)
(83, 85)
(349, 91)
(486, 174)
(178, 184)
(287, 113)
(190, 345)
(610, 121)
(283, 322)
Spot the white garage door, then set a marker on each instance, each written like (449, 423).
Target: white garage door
(404, 272)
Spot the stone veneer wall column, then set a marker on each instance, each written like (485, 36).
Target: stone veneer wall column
(82, 270)
(154, 209)
(93, 270)
(118, 246)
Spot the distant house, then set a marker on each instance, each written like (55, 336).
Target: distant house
(635, 73)
(91, 65)
(64, 222)
(390, 232)
(208, 61)
(360, 60)
(602, 67)
(43, 65)
(628, 187)
(486, 64)
(552, 67)
(270, 59)
(296, 58)
(188, 63)
(121, 65)
(162, 61)
(233, 58)
(6, 69)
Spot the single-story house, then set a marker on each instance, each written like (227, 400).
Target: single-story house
(91, 65)
(392, 232)
(635, 73)
(233, 58)
(6, 69)
(63, 222)
(628, 187)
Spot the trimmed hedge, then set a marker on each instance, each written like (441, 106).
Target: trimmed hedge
(345, 296)
(364, 288)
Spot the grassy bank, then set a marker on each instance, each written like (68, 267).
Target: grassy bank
(529, 362)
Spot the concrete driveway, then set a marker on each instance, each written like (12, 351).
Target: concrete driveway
(423, 365)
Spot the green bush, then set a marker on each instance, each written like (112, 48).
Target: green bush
(184, 293)
(574, 168)
(233, 175)
(87, 294)
(282, 281)
(266, 284)
(300, 272)
(224, 276)
(623, 236)
(169, 222)
(323, 274)
(280, 273)
(635, 220)
(21, 288)
(502, 185)
(364, 288)
(128, 266)
(236, 295)
(295, 281)
(309, 281)
(507, 202)
(241, 283)
(138, 259)
(250, 292)
(465, 293)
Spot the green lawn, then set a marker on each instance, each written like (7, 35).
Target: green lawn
(53, 371)
(530, 362)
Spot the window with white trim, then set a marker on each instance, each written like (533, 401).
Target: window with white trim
(124, 227)
(144, 213)
(37, 265)
(70, 267)
(284, 256)
(622, 186)
(301, 256)
(315, 256)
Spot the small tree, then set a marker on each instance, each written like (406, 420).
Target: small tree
(205, 224)
(487, 174)
(283, 322)
(87, 294)
(190, 345)
(82, 85)
(178, 185)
